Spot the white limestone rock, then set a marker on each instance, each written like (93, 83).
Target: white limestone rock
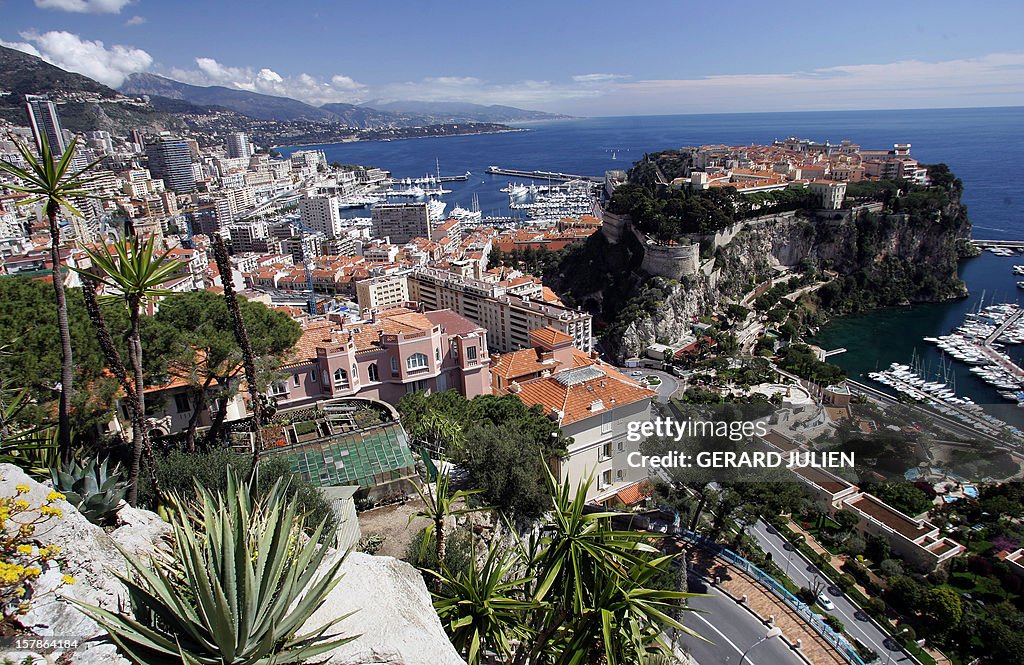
(88, 554)
(394, 617)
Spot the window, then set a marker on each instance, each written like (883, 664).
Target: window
(416, 361)
(181, 403)
(340, 377)
(279, 388)
(394, 366)
(437, 354)
(295, 380)
(606, 478)
(312, 376)
(471, 353)
(606, 451)
(371, 372)
(606, 422)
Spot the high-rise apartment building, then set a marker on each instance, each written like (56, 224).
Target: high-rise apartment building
(171, 160)
(320, 213)
(43, 118)
(401, 222)
(238, 145)
(506, 312)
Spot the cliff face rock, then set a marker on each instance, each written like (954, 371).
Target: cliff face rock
(391, 612)
(392, 609)
(883, 258)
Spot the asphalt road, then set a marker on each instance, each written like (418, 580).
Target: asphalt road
(668, 384)
(805, 574)
(732, 630)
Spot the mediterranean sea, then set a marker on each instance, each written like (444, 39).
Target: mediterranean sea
(981, 146)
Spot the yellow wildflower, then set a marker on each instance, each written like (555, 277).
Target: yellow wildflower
(67, 579)
(55, 496)
(25, 549)
(49, 551)
(21, 504)
(33, 571)
(50, 510)
(21, 489)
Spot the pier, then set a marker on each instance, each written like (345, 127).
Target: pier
(543, 175)
(1010, 320)
(986, 244)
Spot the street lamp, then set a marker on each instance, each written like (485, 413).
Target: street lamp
(775, 631)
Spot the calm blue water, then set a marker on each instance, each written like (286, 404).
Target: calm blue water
(982, 146)
(976, 143)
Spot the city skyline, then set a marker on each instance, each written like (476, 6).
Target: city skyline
(582, 59)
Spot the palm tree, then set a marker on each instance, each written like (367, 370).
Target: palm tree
(577, 592)
(134, 273)
(256, 398)
(596, 584)
(49, 181)
(439, 505)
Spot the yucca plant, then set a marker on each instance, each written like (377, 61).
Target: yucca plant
(244, 580)
(483, 608)
(93, 488)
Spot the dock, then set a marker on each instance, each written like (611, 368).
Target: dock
(1008, 244)
(543, 175)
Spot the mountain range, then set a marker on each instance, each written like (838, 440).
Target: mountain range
(86, 105)
(369, 114)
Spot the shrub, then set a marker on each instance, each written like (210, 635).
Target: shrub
(242, 582)
(833, 622)
(370, 543)
(854, 545)
(891, 568)
(179, 472)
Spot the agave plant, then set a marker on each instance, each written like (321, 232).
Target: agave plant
(93, 488)
(243, 582)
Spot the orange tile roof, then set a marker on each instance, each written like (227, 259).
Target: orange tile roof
(635, 493)
(511, 366)
(550, 336)
(576, 400)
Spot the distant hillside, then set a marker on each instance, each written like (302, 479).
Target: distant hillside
(252, 104)
(367, 118)
(462, 111)
(23, 74)
(84, 104)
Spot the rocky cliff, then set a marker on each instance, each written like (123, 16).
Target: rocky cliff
(875, 256)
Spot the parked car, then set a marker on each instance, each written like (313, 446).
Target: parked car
(825, 603)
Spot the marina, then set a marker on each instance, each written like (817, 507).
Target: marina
(542, 175)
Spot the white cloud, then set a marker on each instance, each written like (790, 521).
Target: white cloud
(994, 79)
(528, 93)
(135, 20)
(304, 87)
(84, 6)
(598, 78)
(90, 58)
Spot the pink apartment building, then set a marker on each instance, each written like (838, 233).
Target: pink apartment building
(400, 351)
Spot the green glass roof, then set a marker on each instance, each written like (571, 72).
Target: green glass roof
(367, 458)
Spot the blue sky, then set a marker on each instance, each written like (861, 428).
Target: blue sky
(585, 58)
